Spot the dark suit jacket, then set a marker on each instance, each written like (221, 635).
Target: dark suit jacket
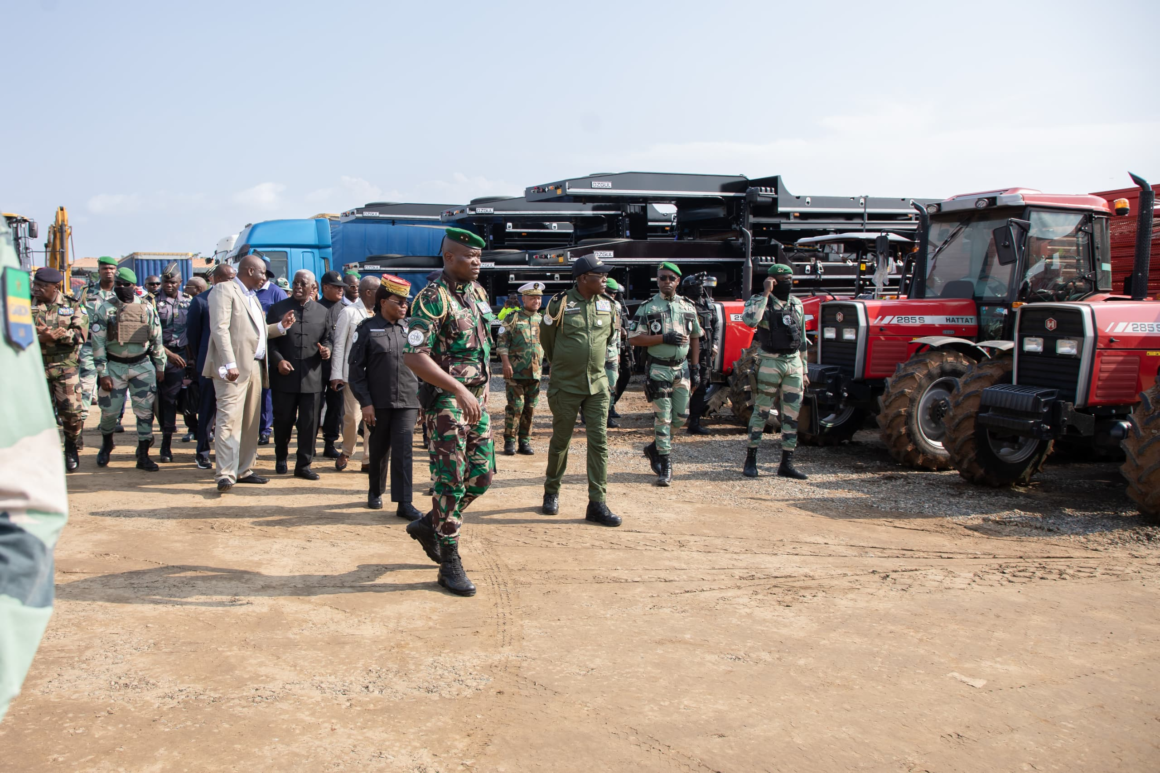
(299, 346)
(197, 328)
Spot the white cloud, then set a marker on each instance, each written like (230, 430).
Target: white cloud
(461, 188)
(263, 196)
(350, 192)
(115, 203)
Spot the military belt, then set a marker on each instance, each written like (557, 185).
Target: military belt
(779, 352)
(50, 359)
(127, 360)
(666, 363)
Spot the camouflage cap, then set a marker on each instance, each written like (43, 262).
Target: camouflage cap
(460, 236)
(779, 269)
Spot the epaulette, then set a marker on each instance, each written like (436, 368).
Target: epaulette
(559, 315)
(433, 292)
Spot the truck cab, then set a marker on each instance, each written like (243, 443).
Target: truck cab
(289, 245)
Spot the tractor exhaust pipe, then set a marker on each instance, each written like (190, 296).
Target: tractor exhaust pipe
(1143, 239)
(918, 280)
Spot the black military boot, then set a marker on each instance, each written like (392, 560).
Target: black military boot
(654, 458)
(695, 427)
(526, 447)
(666, 473)
(551, 504)
(750, 469)
(451, 574)
(408, 512)
(612, 423)
(786, 469)
(71, 458)
(613, 413)
(509, 446)
(166, 452)
(598, 512)
(374, 500)
(107, 446)
(143, 460)
(329, 451)
(423, 532)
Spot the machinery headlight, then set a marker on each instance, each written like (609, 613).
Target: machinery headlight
(1067, 346)
(1032, 344)
(849, 334)
(829, 332)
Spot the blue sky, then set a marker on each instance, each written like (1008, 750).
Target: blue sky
(166, 126)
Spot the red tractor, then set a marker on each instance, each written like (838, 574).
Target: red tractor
(1077, 370)
(902, 358)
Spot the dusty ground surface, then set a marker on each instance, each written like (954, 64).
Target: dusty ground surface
(868, 619)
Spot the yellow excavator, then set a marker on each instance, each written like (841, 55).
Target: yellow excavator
(57, 248)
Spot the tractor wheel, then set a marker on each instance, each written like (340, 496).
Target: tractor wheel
(914, 406)
(741, 387)
(983, 455)
(836, 428)
(1141, 468)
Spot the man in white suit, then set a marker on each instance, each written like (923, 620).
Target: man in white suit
(236, 361)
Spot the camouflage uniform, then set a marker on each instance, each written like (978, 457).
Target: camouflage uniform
(139, 377)
(61, 359)
(612, 355)
(667, 372)
(776, 372)
(449, 323)
(91, 298)
(172, 313)
(519, 339)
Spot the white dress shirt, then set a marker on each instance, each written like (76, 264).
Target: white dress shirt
(259, 317)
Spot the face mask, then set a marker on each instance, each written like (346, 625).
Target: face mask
(124, 293)
(781, 290)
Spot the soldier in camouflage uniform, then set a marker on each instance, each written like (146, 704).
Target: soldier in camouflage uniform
(612, 356)
(97, 292)
(780, 365)
(128, 354)
(667, 326)
(523, 357)
(62, 327)
(448, 348)
(172, 309)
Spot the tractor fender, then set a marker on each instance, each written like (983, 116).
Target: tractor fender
(977, 352)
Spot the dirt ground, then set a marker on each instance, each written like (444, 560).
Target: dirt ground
(870, 618)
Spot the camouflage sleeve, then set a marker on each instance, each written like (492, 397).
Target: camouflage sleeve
(800, 310)
(79, 325)
(698, 331)
(426, 313)
(754, 310)
(156, 350)
(503, 341)
(97, 335)
(636, 326)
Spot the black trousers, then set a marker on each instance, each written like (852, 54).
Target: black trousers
(391, 439)
(206, 413)
(332, 422)
(296, 410)
(168, 395)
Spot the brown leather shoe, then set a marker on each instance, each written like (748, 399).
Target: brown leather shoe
(365, 467)
(340, 462)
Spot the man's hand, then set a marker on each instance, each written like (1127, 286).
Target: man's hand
(285, 368)
(106, 383)
(468, 404)
(369, 415)
(323, 351)
(175, 358)
(45, 336)
(507, 371)
(232, 375)
(675, 338)
(770, 283)
(160, 372)
(59, 332)
(287, 320)
(335, 384)
(694, 377)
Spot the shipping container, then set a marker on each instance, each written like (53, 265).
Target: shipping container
(1123, 238)
(154, 263)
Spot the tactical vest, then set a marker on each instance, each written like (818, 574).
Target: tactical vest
(782, 334)
(133, 323)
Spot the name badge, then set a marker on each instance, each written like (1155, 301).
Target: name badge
(604, 306)
(64, 311)
(483, 307)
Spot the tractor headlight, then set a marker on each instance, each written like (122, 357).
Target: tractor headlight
(829, 332)
(849, 334)
(1067, 346)
(1032, 344)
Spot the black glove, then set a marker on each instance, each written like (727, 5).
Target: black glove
(694, 378)
(675, 338)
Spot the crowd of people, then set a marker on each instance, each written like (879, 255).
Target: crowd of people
(246, 358)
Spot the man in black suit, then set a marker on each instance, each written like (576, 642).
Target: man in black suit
(332, 301)
(296, 376)
(197, 339)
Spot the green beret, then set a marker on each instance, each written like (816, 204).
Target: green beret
(612, 285)
(127, 275)
(352, 272)
(465, 237)
(779, 269)
(670, 267)
(105, 259)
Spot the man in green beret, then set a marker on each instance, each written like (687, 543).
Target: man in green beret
(666, 325)
(99, 290)
(62, 326)
(780, 366)
(129, 357)
(522, 357)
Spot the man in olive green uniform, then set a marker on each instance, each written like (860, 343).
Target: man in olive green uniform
(95, 293)
(667, 326)
(522, 356)
(780, 365)
(61, 327)
(127, 352)
(574, 331)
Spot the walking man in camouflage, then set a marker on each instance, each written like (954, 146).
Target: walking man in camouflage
(448, 348)
(128, 356)
(94, 294)
(62, 327)
(173, 310)
(612, 358)
(780, 365)
(522, 356)
(667, 326)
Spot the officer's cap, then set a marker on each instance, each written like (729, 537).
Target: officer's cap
(589, 263)
(126, 274)
(49, 275)
(612, 285)
(459, 236)
(779, 269)
(281, 282)
(532, 288)
(333, 279)
(396, 285)
(666, 266)
(106, 260)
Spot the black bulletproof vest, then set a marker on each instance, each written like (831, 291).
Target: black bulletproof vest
(783, 335)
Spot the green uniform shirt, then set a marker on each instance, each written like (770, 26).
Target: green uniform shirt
(574, 333)
(449, 323)
(657, 316)
(103, 333)
(519, 339)
(93, 296)
(66, 313)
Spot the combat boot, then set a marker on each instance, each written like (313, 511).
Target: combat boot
(551, 504)
(71, 458)
(408, 512)
(166, 452)
(107, 446)
(509, 446)
(374, 501)
(695, 427)
(143, 460)
(612, 423)
(613, 413)
(666, 473)
(598, 512)
(451, 574)
(786, 469)
(329, 451)
(423, 532)
(750, 469)
(654, 459)
(526, 447)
